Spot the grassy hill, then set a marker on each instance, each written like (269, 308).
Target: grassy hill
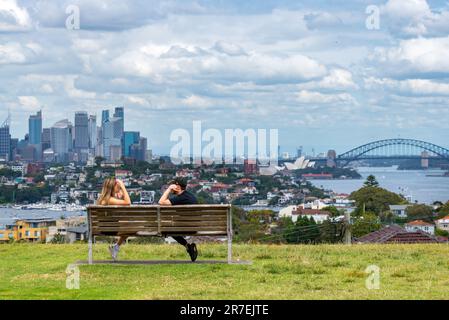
(34, 271)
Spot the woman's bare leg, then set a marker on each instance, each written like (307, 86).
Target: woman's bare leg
(121, 240)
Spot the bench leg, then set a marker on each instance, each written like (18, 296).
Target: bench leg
(90, 254)
(229, 236)
(229, 249)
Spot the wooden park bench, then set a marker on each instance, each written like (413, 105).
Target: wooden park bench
(160, 221)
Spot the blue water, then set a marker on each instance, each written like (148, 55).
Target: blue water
(414, 183)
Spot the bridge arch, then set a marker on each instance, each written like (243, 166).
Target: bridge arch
(361, 151)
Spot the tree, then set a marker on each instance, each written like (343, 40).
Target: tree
(419, 211)
(371, 181)
(443, 210)
(333, 211)
(98, 161)
(331, 232)
(375, 199)
(367, 223)
(441, 233)
(58, 239)
(303, 231)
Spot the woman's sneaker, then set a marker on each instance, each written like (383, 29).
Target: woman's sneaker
(193, 251)
(113, 250)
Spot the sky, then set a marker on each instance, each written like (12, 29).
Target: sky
(326, 74)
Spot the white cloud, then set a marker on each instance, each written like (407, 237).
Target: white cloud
(197, 101)
(338, 79)
(11, 53)
(415, 18)
(201, 63)
(409, 86)
(29, 103)
(305, 96)
(138, 100)
(13, 17)
(420, 55)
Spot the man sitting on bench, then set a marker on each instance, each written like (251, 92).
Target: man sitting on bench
(180, 196)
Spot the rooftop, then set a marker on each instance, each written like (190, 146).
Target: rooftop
(397, 234)
(419, 223)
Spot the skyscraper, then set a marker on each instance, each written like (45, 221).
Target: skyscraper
(92, 132)
(35, 128)
(112, 136)
(35, 134)
(130, 138)
(104, 117)
(81, 131)
(61, 139)
(112, 129)
(46, 139)
(5, 141)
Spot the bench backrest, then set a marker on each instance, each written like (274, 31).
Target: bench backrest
(159, 220)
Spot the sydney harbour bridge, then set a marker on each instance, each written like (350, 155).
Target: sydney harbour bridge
(401, 149)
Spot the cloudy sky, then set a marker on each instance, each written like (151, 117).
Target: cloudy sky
(313, 70)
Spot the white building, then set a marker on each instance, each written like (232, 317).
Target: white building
(287, 211)
(399, 210)
(443, 223)
(419, 225)
(294, 212)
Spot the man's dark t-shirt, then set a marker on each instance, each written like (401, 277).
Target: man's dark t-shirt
(184, 198)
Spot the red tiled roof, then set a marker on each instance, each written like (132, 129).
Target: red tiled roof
(419, 223)
(396, 234)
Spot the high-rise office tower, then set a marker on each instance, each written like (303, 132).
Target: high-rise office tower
(112, 136)
(104, 117)
(130, 138)
(5, 141)
(35, 135)
(46, 139)
(81, 131)
(92, 132)
(61, 139)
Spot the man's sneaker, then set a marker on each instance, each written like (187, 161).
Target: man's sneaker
(193, 251)
(113, 250)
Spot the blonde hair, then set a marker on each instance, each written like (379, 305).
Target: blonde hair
(107, 191)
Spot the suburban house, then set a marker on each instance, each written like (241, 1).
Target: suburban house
(420, 225)
(443, 223)
(396, 234)
(318, 215)
(399, 210)
(76, 234)
(34, 230)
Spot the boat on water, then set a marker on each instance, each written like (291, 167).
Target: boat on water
(50, 207)
(444, 175)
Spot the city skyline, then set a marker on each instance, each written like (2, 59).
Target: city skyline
(317, 72)
(79, 141)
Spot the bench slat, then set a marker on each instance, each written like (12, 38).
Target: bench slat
(174, 220)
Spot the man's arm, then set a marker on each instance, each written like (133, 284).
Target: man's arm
(164, 200)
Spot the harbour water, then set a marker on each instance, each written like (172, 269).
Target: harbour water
(424, 186)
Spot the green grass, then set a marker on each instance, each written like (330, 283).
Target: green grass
(34, 271)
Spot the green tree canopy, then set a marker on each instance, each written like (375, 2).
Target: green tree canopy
(375, 199)
(364, 224)
(420, 211)
(371, 181)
